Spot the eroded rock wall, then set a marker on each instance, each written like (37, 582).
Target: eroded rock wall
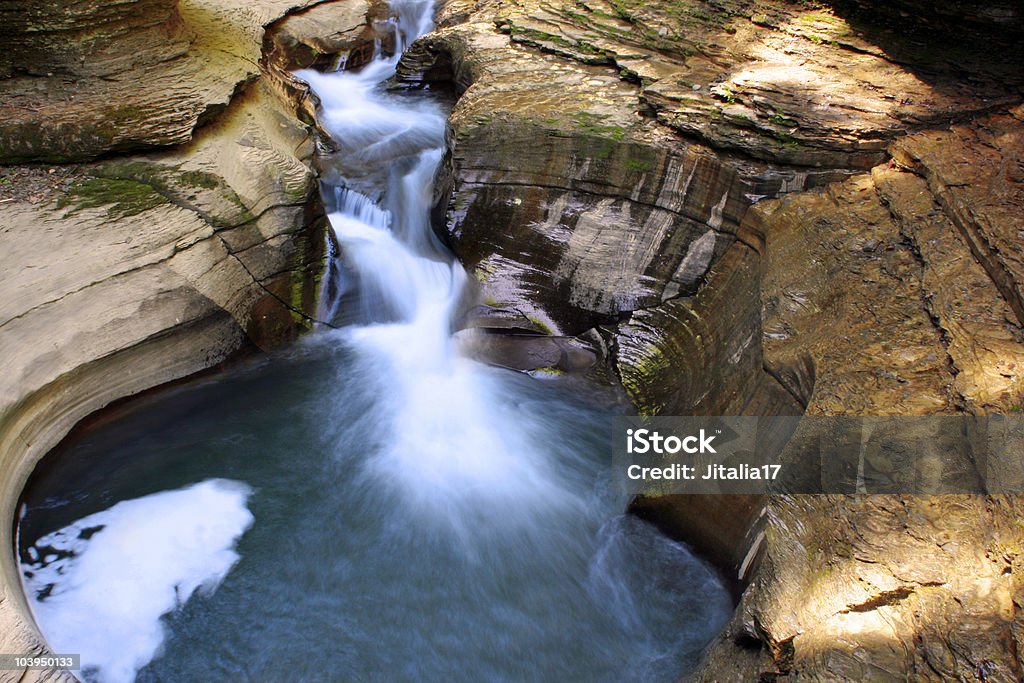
(581, 218)
(813, 84)
(894, 291)
(586, 222)
(127, 273)
(82, 79)
(884, 284)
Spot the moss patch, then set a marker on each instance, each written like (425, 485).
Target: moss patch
(540, 325)
(199, 179)
(183, 187)
(122, 115)
(123, 197)
(638, 165)
(594, 125)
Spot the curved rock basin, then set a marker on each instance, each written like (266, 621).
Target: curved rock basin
(371, 506)
(345, 573)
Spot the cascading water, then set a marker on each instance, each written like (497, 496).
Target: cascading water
(452, 455)
(372, 506)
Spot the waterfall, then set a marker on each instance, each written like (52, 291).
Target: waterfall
(449, 446)
(370, 496)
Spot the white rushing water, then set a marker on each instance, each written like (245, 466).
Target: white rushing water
(419, 515)
(449, 445)
(106, 580)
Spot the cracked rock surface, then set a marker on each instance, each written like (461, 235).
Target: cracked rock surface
(883, 286)
(133, 271)
(653, 179)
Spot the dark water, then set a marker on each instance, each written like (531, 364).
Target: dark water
(341, 577)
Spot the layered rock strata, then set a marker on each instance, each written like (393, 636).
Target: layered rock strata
(881, 286)
(802, 83)
(604, 157)
(130, 272)
(82, 79)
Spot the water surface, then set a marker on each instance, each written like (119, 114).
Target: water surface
(370, 505)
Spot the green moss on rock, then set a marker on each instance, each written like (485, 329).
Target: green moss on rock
(199, 179)
(123, 197)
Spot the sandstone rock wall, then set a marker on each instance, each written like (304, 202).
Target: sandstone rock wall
(578, 215)
(892, 292)
(130, 272)
(881, 282)
(79, 39)
(814, 84)
(83, 79)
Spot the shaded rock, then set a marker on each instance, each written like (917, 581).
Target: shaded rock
(698, 355)
(973, 22)
(81, 39)
(725, 527)
(533, 353)
(330, 35)
(805, 84)
(629, 229)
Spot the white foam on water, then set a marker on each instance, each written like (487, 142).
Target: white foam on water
(450, 452)
(106, 580)
(450, 445)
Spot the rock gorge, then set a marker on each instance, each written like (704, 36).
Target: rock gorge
(723, 207)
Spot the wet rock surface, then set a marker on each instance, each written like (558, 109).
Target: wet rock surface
(891, 291)
(641, 191)
(133, 271)
(577, 213)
